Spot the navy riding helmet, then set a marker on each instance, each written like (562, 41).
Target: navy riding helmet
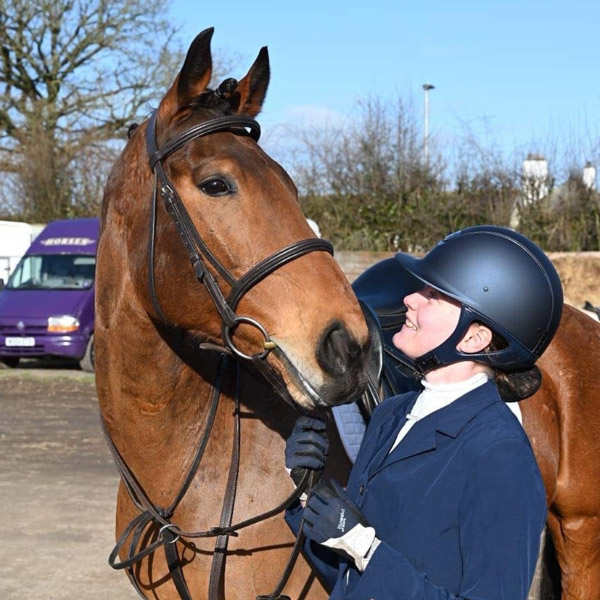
(502, 279)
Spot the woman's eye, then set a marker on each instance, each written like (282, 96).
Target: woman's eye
(215, 187)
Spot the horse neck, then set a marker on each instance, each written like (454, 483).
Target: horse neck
(152, 402)
(156, 406)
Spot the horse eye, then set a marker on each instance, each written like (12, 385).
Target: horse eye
(216, 186)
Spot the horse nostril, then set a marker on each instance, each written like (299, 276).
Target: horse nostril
(337, 351)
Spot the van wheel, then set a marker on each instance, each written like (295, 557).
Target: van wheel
(87, 362)
(11, 361)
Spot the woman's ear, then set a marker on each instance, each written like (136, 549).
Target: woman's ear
(477, 339)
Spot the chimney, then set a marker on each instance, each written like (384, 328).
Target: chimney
(535, 178)
(589, 176)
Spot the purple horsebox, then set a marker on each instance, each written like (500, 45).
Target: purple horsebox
(47, 305)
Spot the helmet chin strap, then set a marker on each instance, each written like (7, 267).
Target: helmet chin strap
(446, 353)
(508, 358)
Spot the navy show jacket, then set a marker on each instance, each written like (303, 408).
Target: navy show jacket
(459, 505)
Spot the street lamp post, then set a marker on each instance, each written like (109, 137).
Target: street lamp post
(426, 87)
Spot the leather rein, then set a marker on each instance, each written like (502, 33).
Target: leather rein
(168, 533)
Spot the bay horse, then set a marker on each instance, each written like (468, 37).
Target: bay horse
(227, 266)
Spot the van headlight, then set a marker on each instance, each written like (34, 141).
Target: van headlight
(63, 324)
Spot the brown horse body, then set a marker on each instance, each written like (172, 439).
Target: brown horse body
(163, 430)
(562, 421)
(155, 386)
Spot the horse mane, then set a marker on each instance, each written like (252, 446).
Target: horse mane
(218, 100)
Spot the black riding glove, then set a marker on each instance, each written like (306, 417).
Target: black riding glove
(333, 520)
(307, 448)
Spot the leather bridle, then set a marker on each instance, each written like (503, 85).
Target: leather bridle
(200, 255)
(198, 251)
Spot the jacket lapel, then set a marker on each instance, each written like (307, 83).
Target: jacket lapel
(388, 434)
(421, 438)
(449, 420)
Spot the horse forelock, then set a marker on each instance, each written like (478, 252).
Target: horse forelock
(213, 101)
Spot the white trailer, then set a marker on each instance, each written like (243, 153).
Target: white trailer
(15, 239)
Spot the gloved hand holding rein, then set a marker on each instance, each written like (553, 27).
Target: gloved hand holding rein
(307, 448)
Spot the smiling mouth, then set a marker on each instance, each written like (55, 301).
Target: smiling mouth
(410, 325)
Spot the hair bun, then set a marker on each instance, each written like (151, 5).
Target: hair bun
(518, 385)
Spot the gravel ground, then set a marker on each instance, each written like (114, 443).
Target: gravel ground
(58, 487)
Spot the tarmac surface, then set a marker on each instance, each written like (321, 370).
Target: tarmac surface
(57, 488)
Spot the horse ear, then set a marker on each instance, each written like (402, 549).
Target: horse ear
(250, 92)
(193, 78)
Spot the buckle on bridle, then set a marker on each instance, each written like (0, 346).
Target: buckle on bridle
(168, 195)
(218, 531)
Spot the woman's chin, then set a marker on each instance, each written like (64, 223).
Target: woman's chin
(400, 342)
(404, 346)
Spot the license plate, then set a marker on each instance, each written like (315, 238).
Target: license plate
(19, 341)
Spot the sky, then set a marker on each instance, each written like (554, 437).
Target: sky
(514, 73)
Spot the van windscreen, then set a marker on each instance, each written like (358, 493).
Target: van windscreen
(54, 272)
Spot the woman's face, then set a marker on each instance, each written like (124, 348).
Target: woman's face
(430, 320)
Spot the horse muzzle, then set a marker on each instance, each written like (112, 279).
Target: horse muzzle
(352, 370)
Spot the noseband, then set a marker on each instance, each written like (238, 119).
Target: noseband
(198, 251)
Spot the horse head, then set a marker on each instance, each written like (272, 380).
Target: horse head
(299, 317)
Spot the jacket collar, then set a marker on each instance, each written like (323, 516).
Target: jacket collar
(449, 420)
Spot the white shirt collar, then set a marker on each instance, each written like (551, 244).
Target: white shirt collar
(437, 396)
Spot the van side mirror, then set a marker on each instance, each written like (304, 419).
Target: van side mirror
(1, 283)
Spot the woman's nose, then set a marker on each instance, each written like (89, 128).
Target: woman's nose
(410, 301)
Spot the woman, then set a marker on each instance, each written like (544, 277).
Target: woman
(445, 499)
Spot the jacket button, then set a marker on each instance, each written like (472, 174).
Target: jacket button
(361, 491)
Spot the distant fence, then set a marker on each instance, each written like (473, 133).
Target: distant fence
(579, 271)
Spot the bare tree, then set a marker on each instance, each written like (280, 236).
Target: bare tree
(365, 181)
(73, 74)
